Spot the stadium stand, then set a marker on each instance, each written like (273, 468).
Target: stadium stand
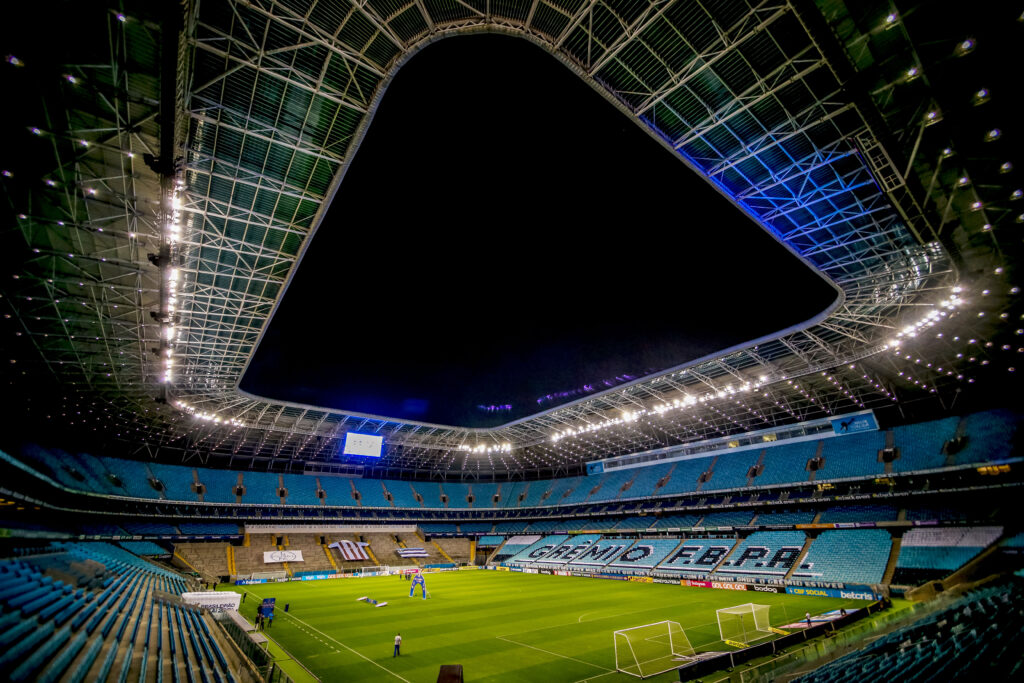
(850, 556)
(730, 518)
(684, 476)
(696, 556)
(492, 541)
(483, 495)
(176, 480)
(260, 487)
(510, 492)
(458, 494)
(764, 553)
(219, 484)
(438, 528)
(645, 554)
(786, 464)
(784, 517)
(208, 528)
(403, 494)
(634, 524)
(851, 455)
(371, 492)
(859, 513)
(142, 548)
(149, 529)
(975, 638)
(301, 489)
(935, 552)
(510, 527)
(921, 445)
(673, 522)
(731, 470)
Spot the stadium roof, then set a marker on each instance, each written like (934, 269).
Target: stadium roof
(174, 171)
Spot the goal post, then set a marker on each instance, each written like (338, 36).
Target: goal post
(651, 649)
(743, 624)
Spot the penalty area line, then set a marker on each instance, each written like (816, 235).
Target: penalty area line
(556, 654)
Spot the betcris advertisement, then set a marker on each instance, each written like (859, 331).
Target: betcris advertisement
(851, 593)
(851, 424)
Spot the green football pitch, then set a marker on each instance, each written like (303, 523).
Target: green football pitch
(500, 626)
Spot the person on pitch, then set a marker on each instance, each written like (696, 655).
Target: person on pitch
(398, 644)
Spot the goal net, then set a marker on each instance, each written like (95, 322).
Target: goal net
(744, 623)
(651, 649)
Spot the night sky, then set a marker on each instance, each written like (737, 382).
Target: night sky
(506, 240)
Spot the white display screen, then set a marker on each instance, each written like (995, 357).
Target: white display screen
(369, 445)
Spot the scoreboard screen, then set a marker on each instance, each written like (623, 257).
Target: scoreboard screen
(369, 445)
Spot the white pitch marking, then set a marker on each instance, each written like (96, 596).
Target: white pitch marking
(509, 640)
(355, 652)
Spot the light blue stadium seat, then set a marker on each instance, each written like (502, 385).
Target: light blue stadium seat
(731, 469)
(764, 553)
(848, 556)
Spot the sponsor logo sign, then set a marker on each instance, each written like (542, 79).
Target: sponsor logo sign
(729, 586)
(215, 601)
(697, 584)
(614, 577)
(768, 589)
(641, 579)
(850, 424)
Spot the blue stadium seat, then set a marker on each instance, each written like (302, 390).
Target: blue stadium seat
(848, 556)
(731, 469)
(764, 553)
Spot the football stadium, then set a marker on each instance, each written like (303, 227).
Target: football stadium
(511, 340)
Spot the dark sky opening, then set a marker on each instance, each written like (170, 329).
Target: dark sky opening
(506, 241)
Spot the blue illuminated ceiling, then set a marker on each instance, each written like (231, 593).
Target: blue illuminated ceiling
(151, 258)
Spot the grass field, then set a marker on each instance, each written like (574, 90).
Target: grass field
(500, 626)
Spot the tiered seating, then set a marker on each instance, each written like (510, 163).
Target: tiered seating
(314, 560)
(133, 477)
(220, 485)
(457, 494)
(143, 548)
(935, 552)
(916, 514)
(260, 487)
(177, 481)
(437, 528)
(921, 444)
(249, 559)
(338, 491)
(676, 522)
(764, 553)
(513, 546)
(102, 530)
(208, 528)
(611, 484)
(490, 540)
(786, 464)
(536, 491)
(510, 527)
(301, 489)
(149, 529)
(645, 554)
(475, 527)
(646, 480)
(568, 549)
(859, 513)
(510, 494)
(538, 548)
(784, 517)
(559, 487)
(483, 495)
(729, 518)
(102, 630)
(975, 638)
(430, 491)
(852, 455)
(542, 526)
(989, 437)
(209, 559)
(696, 557)
(455, 548)
(849, 556)
(684, 476)
(404, 496)
(731, 470)
(371, 493)
(634, 524)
